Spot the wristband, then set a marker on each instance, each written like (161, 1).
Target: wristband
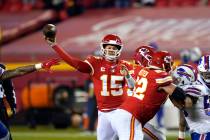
(38, 66)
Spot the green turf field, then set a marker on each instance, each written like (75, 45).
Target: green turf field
(49, 133)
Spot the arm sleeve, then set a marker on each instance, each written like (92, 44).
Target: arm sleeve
(9, 92)
(74, 62)
(178, 95)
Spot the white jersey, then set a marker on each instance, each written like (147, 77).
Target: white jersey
(198, 120)
(200, 81)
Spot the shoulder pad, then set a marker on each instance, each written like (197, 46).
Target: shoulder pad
(193, 91)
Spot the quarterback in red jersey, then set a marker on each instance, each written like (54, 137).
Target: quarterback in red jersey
(153, 87)
(107, 80)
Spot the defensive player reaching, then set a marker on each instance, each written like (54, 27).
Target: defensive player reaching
(20, 71)
(197, 111)
(152, 89)
(8, 74)
(105, 74)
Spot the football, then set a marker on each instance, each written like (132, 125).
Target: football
(49, 31)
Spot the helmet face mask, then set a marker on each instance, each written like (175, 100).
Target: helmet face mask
(168, 63)
(205, 76)
(111, 47)
(177, 81)
(111, 52)
(162, 60)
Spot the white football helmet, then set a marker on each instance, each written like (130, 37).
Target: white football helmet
(113, 40)
(204, 68)
(184, 75)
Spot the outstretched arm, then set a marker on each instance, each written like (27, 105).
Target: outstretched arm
(76, 63)
(176, 94)
(49, 32)
(28, 69)
(18, 72)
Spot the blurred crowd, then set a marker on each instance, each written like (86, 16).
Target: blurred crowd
(66, 8)
(79, 5)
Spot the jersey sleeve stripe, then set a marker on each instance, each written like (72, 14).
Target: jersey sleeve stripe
(163, 80)
(192, 93)
(92, 72)
(193, 88)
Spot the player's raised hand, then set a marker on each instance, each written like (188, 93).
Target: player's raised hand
(124, 70)
(49, 32)
(49, 63)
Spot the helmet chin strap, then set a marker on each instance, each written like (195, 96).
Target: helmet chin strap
(108, 58)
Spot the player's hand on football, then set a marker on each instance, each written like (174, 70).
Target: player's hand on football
(49, 32)
(124, 70)
(49, 63)
(180, 139)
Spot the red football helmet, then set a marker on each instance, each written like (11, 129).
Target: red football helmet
(143, 55)
(162, 60)
(113, 40)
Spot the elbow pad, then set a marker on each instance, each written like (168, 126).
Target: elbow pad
(178, 94)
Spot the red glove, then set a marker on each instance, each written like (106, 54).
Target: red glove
(49, 63)
(180, 139)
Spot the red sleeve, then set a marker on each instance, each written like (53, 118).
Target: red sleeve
(94, 62)
(163, 79)
(74, 62)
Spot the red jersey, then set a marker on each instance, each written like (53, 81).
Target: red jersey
(108, 82)
(146, 99)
